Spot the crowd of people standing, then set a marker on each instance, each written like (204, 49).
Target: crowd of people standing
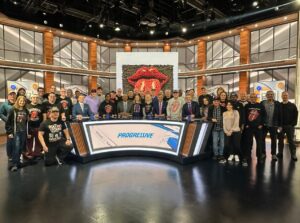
(36, 127)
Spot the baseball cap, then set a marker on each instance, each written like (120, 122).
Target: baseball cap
(54, 109)
(11, 92)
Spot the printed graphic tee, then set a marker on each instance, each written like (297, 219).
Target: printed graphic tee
(53, 131)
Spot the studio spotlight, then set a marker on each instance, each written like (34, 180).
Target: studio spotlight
(61, 25)
(167, 33)
(184, 29)
(45, 22)
(101, 25)
(255, 4)
(117, 29)
(151, 32)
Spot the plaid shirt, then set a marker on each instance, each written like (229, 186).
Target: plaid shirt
(217, 114)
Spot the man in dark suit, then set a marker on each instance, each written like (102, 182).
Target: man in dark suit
(190, 109)
(124, 107)
(160, 107)
(81, 110)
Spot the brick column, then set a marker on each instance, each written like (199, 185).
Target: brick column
(201, 81)
(48, 59)
(92, 64)
(127, 48)
(167, 47)
(244, 59)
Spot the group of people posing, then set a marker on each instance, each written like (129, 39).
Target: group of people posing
(36, 127)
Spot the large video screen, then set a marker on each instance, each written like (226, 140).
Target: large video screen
(143, 135)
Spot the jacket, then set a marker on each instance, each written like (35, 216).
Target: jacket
(85, 113)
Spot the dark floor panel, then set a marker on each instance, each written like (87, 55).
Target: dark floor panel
(149, 190)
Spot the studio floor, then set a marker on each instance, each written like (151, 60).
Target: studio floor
(145, 190)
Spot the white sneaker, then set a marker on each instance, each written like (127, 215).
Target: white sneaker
(236, 158)
(230, 158)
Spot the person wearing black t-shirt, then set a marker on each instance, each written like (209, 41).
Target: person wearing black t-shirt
(48, 105)
(289, 119)
(119, 95)
(107, 108)
(35, 119)
(204, 95)
(255, 119)
(65, 105)
(148, 107)
(51, 136)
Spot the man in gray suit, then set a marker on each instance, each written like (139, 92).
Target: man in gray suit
(124, 107)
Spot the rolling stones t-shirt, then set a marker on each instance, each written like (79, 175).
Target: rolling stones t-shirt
(65, 106)
(53, 131)
(255, 114)
(21, 120)
(35, 115)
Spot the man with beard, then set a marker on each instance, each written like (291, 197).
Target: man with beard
(255, 119)
(34, 121)
(174, 108)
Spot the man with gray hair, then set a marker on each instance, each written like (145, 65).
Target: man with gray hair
(272, 122)
(289, 118)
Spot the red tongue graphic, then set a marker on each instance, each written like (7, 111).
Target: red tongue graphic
(146, 85)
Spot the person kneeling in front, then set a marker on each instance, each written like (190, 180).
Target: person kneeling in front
(51, 137)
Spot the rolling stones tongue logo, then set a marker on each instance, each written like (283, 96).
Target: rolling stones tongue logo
(253, 115)
(148, 78)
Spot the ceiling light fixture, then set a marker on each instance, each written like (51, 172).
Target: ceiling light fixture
(62, 33)
(255, 4)
(61, 25)
(117, 29)
(36, 27)
(256, 25)
(285, 18)
(90, 25)
(184, 29)
(167, 33)
(152, 32)
(101, 25)
(45, 22)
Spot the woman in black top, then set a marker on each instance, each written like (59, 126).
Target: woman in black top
(137, 108)
(148, 107)
(16, 129)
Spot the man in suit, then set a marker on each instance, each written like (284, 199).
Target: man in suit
(82, 110)
(160, 107)
(124, 107)
(190, 109)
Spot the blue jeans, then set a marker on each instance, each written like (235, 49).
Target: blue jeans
(19, 147)
(9, 147)
(218, 142)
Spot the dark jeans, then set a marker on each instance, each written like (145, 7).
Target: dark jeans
(59, 149)
(258, 134)
(289, 131)
(273, 135)
(19, 147)
(233, 143)
(36, 151)
(9, 147)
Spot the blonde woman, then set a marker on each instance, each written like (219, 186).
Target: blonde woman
(231, 120)
(16, 129)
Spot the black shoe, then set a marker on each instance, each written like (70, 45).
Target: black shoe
(274, 158)
(59, 161)
(279, 155)
(294, 158)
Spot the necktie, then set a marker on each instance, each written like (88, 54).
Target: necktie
(190, 108)
(160, 108)
(125, 106)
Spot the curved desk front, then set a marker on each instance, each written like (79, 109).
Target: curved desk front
(178, 141)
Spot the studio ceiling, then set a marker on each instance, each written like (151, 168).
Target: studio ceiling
(144, 19)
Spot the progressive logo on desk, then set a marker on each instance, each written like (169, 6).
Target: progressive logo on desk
(134, 135)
